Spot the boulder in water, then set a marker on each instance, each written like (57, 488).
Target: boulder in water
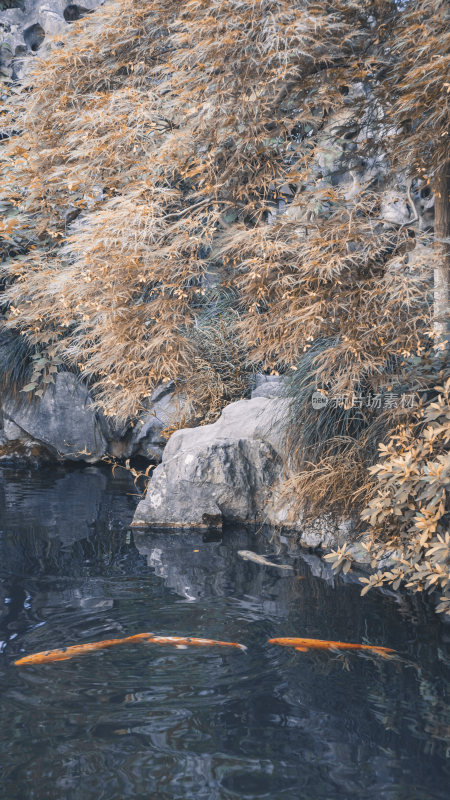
(217, 472)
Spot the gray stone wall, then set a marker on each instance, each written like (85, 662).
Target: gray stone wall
(27, 25)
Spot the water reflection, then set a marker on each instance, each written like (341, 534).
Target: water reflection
(147, 721)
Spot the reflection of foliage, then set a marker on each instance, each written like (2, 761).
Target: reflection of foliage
(436, 715)
(431, 712)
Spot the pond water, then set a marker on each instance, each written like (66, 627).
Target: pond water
(150, 721)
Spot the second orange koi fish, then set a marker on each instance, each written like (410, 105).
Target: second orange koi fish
(64, 653)
(303, 645)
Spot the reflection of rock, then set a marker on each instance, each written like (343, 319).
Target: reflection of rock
(61, 521)
(88, 595)
(73, 497)
(180, 561)
(196, 566)
(218, 471)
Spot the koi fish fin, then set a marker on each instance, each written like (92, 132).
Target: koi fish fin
(302, 649)
(384, 652)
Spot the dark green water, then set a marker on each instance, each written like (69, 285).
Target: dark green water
(146, 721)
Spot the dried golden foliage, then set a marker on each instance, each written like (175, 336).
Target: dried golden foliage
(166, 151)
(155, 143)
(409, 512)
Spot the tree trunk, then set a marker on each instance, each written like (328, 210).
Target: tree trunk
(441, 191)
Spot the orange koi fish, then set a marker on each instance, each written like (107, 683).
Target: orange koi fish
(64, 653)
(303, 645)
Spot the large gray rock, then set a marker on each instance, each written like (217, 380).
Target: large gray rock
(219, 471)
(229, 471)
(267, 386)
(144, 436)
(395, 208)
(27, 25)
(324, 532)
(64, 420)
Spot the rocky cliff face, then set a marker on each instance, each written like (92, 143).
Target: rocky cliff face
(27, 25)
(210, 475)
(64, 424)
(227, 471)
